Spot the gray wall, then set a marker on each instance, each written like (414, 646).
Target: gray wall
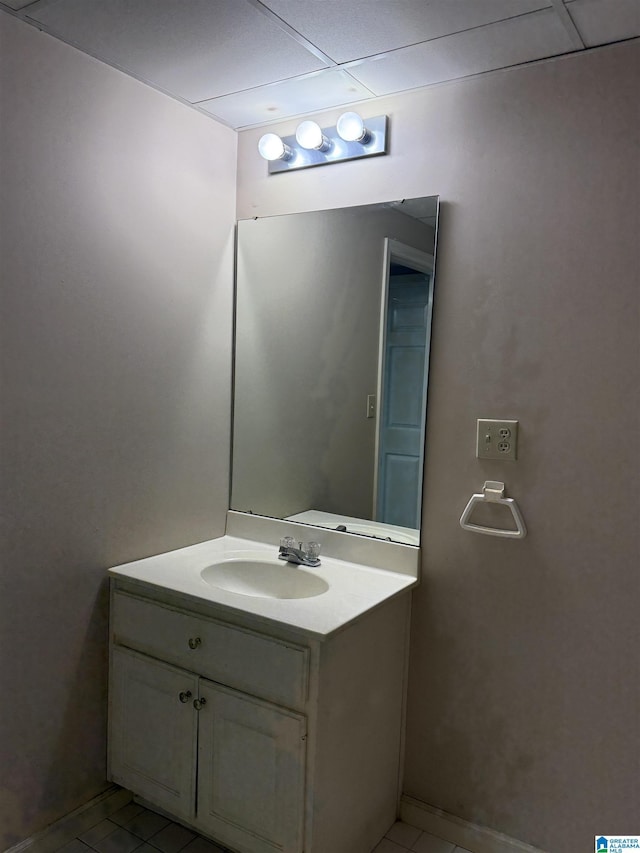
(117, 233)
(523, 695)
(307, 330)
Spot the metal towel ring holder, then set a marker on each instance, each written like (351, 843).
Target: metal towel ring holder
(493, 492)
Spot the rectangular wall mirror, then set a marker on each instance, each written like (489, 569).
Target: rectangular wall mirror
(333, 325)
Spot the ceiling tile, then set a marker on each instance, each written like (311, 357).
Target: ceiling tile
(320, 91)
(500, 45)
(604, 21)
(16, 4)
(353, 29)
(220, 46)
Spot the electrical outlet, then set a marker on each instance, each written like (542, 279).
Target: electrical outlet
(497, 439)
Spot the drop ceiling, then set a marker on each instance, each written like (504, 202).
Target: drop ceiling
(251, 62)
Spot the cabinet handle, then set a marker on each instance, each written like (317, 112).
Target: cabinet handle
(185, 696)
(199, 703)
(194, 642)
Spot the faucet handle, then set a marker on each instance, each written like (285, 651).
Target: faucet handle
(312, 551)
(290, 542)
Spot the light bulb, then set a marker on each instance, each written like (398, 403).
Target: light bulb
(351, 128)
(271, 147)
(309, 135)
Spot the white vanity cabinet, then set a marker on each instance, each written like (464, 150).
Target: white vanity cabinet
(260, 738)
(153, 731)
(174, 732)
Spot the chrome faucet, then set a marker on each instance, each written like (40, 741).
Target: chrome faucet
(294, 551)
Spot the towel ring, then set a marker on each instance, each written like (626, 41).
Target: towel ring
(493, 492)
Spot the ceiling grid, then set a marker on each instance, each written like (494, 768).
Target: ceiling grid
(248, 63)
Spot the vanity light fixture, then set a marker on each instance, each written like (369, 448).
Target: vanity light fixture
(312, 145)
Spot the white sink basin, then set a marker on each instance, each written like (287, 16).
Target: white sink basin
(263, 579)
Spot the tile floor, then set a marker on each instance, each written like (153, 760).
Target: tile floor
(403, 837)
(136, 828)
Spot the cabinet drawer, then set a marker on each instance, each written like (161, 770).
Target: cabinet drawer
(234, 656)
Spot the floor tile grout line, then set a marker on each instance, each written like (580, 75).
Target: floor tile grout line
(148, 841)
(142, 840)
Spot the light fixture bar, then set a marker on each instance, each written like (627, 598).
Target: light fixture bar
(374, 144)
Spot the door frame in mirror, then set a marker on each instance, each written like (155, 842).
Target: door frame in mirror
(424, 262)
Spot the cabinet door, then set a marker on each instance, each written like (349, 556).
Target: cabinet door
(153, 730)
(251, 768)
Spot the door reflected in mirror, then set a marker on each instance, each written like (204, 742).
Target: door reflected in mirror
(333, 323)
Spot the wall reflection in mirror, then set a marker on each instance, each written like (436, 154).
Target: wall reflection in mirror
(333, 320)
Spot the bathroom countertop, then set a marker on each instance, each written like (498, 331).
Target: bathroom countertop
(354, 589)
